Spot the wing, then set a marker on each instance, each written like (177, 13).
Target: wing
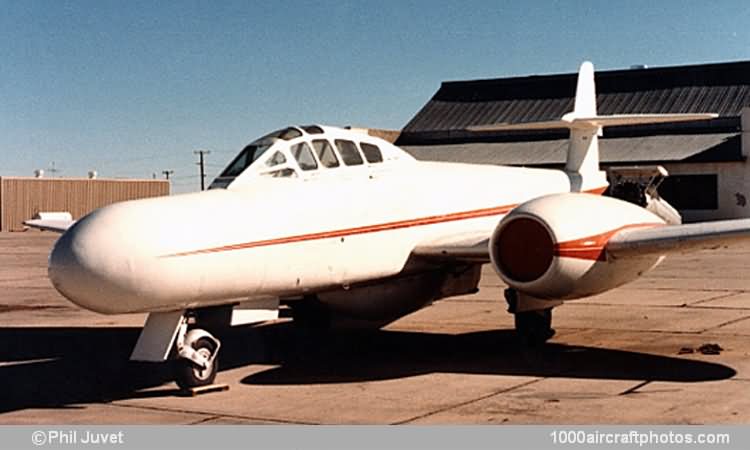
(677, 238)
(459, 248)
(624, 244)
(51, 221)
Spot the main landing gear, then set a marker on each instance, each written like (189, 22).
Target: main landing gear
(311, 315)
(533, 317)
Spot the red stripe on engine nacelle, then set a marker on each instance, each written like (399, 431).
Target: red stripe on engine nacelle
(592, 247)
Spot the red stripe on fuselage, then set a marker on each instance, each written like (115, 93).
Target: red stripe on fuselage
(431, 220)
(592, 247)
(486, 212)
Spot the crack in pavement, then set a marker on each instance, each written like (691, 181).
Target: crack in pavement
(468, 402)
(729, 322)
(221, 415)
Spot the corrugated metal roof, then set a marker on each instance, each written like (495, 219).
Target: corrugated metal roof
(705, 147)
(718, 88)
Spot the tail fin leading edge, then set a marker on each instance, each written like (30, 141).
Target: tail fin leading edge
(585, 101)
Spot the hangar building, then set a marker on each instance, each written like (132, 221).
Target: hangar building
(707, 160)
(23, 197)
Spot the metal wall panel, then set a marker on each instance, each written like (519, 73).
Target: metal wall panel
(21, 197)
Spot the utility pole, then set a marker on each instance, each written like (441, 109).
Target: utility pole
(201, 163)
(52, 169)
(167, 173)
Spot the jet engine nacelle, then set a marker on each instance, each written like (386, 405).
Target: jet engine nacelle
(552, 247)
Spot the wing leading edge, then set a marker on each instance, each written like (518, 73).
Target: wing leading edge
(628, 243)
(473, 248)
(677, 238)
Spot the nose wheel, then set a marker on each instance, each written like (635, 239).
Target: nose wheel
(197, 362)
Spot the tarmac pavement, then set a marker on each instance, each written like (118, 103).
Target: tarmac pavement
(629, 356)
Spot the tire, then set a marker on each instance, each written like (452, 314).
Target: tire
(534, 328)
(188, 375)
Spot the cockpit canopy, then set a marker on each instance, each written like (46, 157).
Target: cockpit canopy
(257, 148)
(302, 151)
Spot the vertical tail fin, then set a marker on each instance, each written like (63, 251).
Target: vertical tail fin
(582, 164)
(585, 102)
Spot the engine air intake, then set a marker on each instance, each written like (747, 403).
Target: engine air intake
(525, 249)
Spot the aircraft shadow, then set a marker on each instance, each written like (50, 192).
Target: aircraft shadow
(381, 355)
(64, 366)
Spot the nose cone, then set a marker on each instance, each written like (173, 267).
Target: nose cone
(85, 268)
(113, 260)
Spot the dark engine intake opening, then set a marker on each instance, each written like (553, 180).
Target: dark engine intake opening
(524, 249)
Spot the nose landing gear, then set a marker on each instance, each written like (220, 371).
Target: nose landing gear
(197, 362)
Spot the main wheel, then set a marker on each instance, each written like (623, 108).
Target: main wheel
(534, 328)
(189, 375)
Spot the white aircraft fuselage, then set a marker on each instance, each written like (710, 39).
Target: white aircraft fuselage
(263, 236)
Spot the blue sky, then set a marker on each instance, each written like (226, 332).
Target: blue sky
(130, 88)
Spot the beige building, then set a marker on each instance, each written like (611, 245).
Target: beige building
(23, 197)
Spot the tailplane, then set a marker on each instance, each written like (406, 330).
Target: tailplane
(582, 163)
